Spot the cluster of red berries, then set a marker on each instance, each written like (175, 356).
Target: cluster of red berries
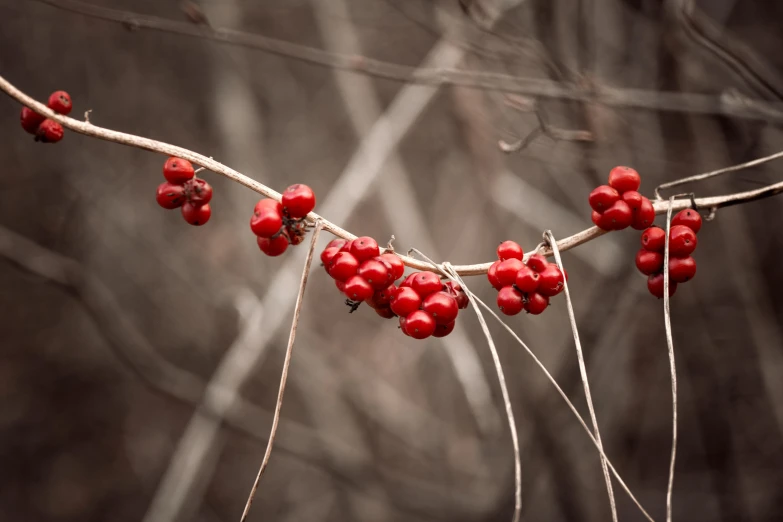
(425, 305)
(280, 223)
(523, 286)
(619, 204)
(183, 189)
(682, 243)
(44, 129)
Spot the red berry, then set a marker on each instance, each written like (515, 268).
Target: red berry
(347, 246)
(457, 293)
(654, 239)
(442, 330)
(358, 289)
(682, 241)
(624, 179)
(298, 201)
(364, 248)
(426, 283)
(645, 216)
(550, 281)
(408, 281)
(649, 262)
(441, 306)
(492, 275)
(510, 301)
(510, 250)
(402, 326)
(527, 280)
(31, 120)
(618, 216)
(419, 324)
(537, 263)
(266, 221)
(688, 217)
(397, 267)
(60, 101)
(655, 285)
(681, 269)
(375, 273)
(273, 246)
(178, 170)
(536, 303)
(337, 243)
(602, 198)
(196, 215)
(327, 255)
(342, 266)
(170, 196)
(507, 271)
(199, 191)
(634, 199)
(382, 298)
(49, 132)
(385, 312)
(600, 221)
(405, 300)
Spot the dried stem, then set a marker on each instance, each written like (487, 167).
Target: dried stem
(667, 321)
(286, 364)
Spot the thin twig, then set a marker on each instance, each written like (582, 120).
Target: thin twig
(667, 321)
(583, 370)
(286, 364)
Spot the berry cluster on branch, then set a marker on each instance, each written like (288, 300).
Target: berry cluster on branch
(182, 189)
(44, 129)
(278, 224)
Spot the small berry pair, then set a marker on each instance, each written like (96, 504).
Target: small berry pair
(619, 205)
(523, 286)
(44, 129)
(277, 224)
(183, 189)
(682, 243)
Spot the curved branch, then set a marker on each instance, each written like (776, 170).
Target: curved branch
(88, 129)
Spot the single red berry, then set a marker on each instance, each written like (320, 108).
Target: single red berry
(385, 312)
(198, 191)
(550, 281)
(649, 262)
(347, 246)
(49, 132)
(337, 243)
(510, 250)
(375, 273)
(178, 170)
(408, 281)
(419, 324)
(405, 300)
(682, 269)
(688, 217)
(602, 198)
(298, 201)
(536, 303)
(266, 222)
(382, 298)
(442, 330)
(389, 269)
(634, 199)
(682, 241)
(645, 216)
(273, 246)
(441, 306)
(402, 326)
(654, 239)
(31, 120)
(655, 286)
(510, 301)
(170, 196)
(624, 179)
(196, 215)
(342, 266)
(507, 271)
(358, 289)
(397, 267)
(618, 216)
(600, 221)
(327, 255)
(364, 248)
(537, 263)
(457, 293)
(527, 280)
(492, 275)
(60, 101)
(426, 283)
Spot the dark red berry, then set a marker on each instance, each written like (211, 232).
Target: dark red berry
(405, 300)
(649, 262)
(397, 267)
(682, 269)
(441, 306)
(31, 120)
(633, 199)
(682, 241)
(178, 170)
(537, 263)
(196, 215)
(510, 301)
(654, 239)
(457, 293)
(442, 330)
(655, 285)
(492, 275)
(624, 179)
(402, 325)
(419, 324)
(294, 235)
(536, 303)
(426, 283)
(689, 218)
(199, 192)
(602, 198)
(645, 216)
(510, 250)
(550, 281)
(358, 289)
(375, 273)
(527, 280)
(327, 255)
(618, 216)
(600, 221)
(298, 201)
(382, 298)
(385, 312)
(364, 248)
(337, 243)
(342, 266)
(507, 271)
(49, 132)
(60, 101)
(170, 196)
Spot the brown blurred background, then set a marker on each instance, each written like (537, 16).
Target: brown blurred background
(116, 315)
